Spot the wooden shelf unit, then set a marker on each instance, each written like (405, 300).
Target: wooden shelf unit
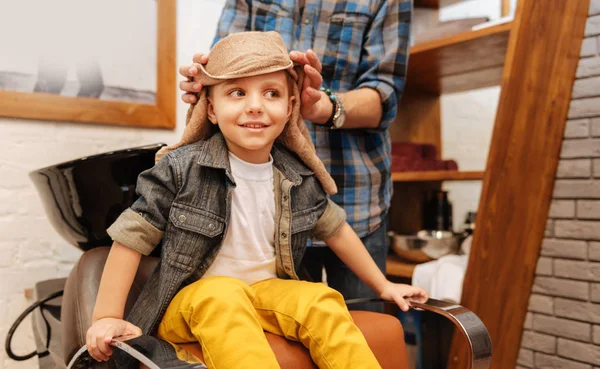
(465, 61)
(437, 175)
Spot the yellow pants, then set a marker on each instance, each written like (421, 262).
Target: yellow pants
(227, 317)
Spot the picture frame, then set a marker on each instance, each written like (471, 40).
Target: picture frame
(159, 114)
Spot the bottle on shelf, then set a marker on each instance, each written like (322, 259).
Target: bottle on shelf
(469, 225)
(437, 212)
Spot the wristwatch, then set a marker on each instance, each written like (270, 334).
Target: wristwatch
(338, 113)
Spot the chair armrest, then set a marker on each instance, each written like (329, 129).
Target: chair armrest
(467, 323)
(147, 350)
(82, 359)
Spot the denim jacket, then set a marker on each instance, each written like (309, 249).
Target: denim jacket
(185, 200)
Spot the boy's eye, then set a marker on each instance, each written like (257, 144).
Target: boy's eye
(236, 93)
(272, 94)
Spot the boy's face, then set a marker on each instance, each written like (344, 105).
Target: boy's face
(251, 113)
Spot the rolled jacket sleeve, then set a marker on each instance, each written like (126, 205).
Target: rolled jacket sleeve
(384, 56)
(135, 232)
(142, 226)
(330, 221)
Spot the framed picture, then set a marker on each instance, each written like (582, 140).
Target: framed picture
(108, 61)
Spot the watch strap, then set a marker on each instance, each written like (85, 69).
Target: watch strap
(333, 98)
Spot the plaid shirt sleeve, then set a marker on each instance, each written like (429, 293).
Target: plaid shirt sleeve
(234, 18)
(385, 56)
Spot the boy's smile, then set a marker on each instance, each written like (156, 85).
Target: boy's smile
(255, 126)
(251, 113)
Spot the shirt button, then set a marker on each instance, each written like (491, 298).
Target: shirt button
(283, 235)
(182, 218)
(211, 226)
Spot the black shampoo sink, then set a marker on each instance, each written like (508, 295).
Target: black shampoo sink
(83, 197)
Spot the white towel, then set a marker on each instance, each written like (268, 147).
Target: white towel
(443, 278)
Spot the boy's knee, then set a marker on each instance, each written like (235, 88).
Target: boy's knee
(323, 304)
(321, 292)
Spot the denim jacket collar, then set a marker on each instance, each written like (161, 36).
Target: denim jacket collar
(214, 154)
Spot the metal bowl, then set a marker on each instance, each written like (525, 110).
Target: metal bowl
(425, 245)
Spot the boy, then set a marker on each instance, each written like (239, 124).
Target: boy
(234, 205)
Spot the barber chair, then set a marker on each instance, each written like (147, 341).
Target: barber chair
(84, 196)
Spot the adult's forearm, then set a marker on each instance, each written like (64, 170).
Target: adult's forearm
(119, 271)
(363, 109)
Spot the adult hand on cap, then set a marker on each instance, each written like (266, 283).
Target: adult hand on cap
(190, 86)
(314, 107)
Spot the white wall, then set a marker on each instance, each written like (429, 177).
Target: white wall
(467, 123)
(468, 118)
(30, 250)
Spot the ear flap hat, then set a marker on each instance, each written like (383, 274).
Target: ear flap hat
(248, 54)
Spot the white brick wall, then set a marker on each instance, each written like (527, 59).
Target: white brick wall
(571, 249)
(562, 329)
(589, 47)
(595, 123)
(594, 253)
(574, 168)
(30, 249)
(577, 127)
(594, 7)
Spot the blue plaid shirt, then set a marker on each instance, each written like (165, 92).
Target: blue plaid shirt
(361, 43)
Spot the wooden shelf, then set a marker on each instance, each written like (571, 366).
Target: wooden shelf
(398, 267)
(438, 175)
(461, 62)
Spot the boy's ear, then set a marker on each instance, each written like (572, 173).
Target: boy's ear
(210, 111)
(290, 107)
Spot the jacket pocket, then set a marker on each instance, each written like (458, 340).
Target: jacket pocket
(193, 232)
(196, 220)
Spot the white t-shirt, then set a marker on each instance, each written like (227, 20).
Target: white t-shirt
(248, 251)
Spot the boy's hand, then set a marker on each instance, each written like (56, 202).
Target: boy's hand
(399, 293)
(190, 86)
(103, 331)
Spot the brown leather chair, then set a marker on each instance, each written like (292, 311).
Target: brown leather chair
(383, 332)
